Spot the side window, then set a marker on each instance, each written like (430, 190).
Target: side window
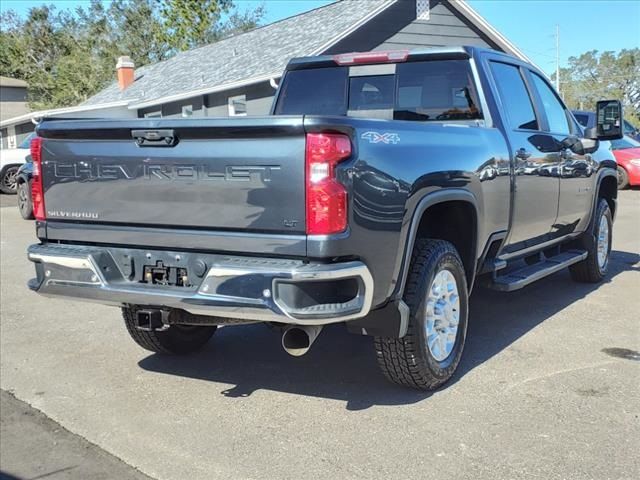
(514, 95)
(556, 114)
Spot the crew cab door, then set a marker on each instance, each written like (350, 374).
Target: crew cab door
(535, 154)
(576, 170)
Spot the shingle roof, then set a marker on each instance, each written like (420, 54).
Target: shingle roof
(258, 53)
(12, 82)
(13, 109)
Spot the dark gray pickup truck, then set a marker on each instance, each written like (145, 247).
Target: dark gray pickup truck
(382, 188)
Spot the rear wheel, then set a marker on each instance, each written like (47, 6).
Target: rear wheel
(436, 294)
(176, 339)
(8, 179)
(597, 242)
(24, 200)
(623, 178)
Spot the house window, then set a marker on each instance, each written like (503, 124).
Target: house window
(156, 114)
(238, 106)
(422, 9)
(187, 110)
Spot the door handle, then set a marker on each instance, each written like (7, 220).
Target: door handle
(155, 138)
(566, 154)
(522, 154)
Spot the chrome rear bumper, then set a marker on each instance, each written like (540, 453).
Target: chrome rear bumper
(254, 289)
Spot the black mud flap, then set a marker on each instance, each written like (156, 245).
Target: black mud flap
(391, 320)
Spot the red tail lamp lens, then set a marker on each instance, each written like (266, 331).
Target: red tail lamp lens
(37, 190)
(326, 197)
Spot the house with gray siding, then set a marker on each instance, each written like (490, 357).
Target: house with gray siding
(13, 103)
(239, 75)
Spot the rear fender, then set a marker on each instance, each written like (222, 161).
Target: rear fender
(424, 204)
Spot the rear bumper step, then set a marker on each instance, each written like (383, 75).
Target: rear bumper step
(518, 279)
(253, 289)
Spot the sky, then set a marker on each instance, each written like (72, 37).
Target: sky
(530, 24)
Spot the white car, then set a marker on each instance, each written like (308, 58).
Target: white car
(10, 161)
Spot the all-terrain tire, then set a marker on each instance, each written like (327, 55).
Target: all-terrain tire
(175, 340)
(408, 361)
(591, 270)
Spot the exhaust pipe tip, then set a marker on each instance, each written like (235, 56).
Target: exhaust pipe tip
(297, 340)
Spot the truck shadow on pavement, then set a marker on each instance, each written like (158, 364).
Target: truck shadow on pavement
(342, 366)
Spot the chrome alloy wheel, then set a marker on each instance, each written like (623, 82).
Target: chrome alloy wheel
(603, 242)
(442, 315)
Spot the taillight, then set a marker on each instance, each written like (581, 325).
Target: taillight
(357, 58)
(326, 197)
(37, 191)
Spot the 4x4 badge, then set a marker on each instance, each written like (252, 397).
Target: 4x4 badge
(387, 137)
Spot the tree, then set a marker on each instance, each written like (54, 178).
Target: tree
(193, 23)
(67, 56)
(11, 60)
(35, 47)
(595, 76)
(144, 45)
(241, 21)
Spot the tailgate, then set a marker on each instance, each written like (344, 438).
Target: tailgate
(228, 174)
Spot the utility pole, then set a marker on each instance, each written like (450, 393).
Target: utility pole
(558, 58)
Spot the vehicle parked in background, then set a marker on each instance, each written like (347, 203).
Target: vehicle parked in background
(627, 153)
(588, 120)
(381, 189)
(23, 187)
(10, 161)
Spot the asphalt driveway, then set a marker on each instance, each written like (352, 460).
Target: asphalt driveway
(549, 386)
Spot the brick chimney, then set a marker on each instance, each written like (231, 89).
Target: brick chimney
(125, 69)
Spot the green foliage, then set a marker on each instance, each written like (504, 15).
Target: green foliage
(67, 56)
(192, 23)
(595, 76)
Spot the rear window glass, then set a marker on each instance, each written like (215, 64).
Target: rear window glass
(436, 90)
(582, 119)
(371, 93)
(321, 91)
(423, 91)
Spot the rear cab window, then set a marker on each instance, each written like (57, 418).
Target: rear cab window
(515, 96)
(430, 90)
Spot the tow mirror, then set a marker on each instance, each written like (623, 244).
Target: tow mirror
(609, 121)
